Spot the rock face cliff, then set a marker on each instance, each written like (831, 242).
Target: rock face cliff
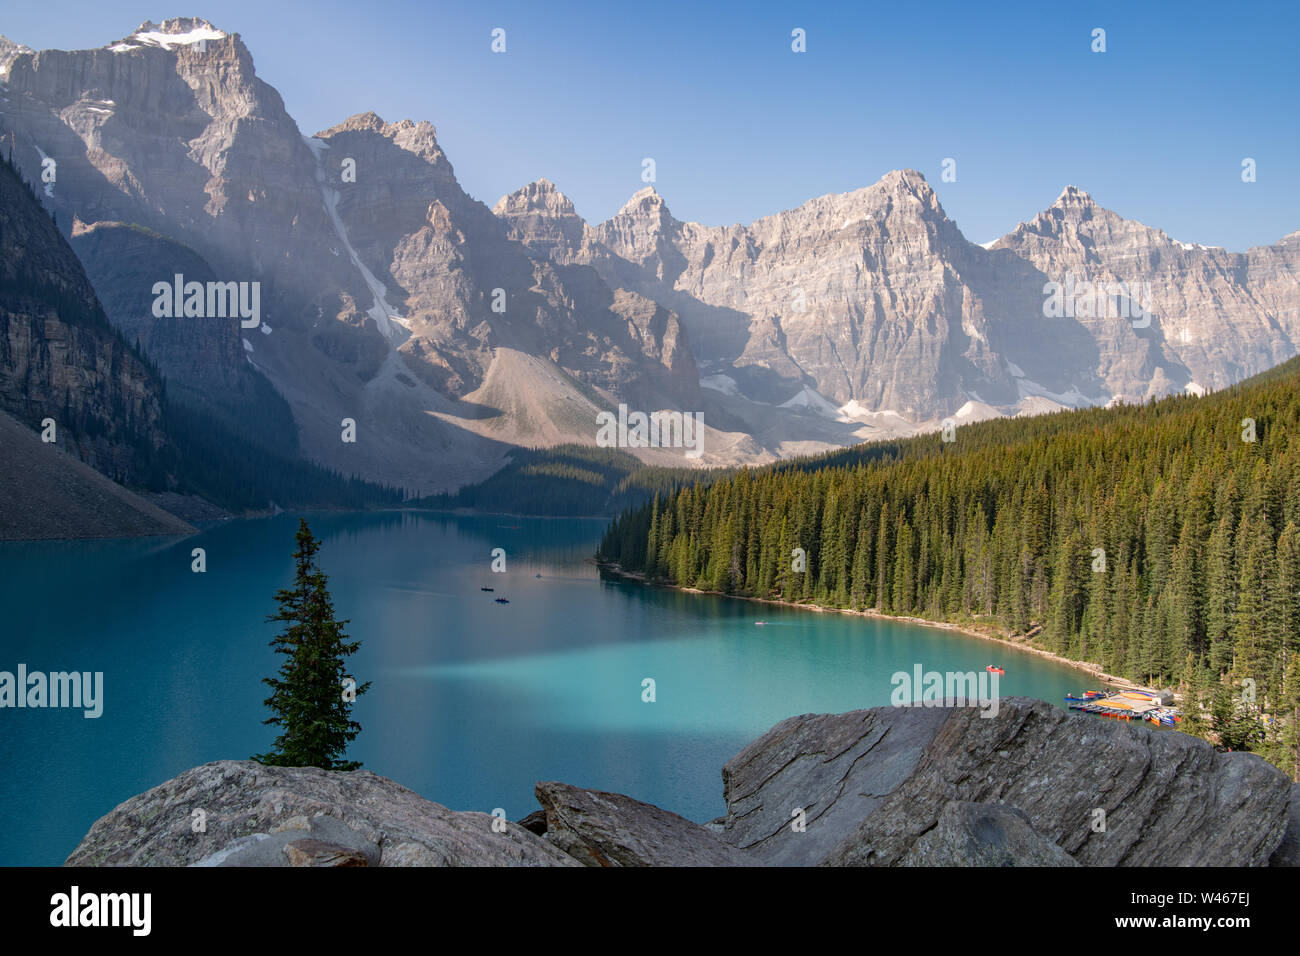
(171, 129)
(60, 358)
(1214, 317)
(446, 256)
(9, 51)
(205, 360)
(867, 296)
(876, 302)
(1031, 786)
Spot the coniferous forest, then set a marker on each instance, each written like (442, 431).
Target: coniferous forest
(1160, 542)
(566, 481)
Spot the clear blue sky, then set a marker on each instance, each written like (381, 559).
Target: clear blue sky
(1155, 128)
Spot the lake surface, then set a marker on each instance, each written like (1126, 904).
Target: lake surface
(472, 702)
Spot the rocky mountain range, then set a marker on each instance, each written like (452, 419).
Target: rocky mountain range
(451, 332)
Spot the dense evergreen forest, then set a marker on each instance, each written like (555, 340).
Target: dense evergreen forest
(238, 472)
(566, 481)
(1159, 541)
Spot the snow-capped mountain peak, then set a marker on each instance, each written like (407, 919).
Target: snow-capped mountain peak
(178, 31)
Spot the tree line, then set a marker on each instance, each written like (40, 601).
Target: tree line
(565, 481)
(1159, 541)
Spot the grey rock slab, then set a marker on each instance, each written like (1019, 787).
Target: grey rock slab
(251, 812)
(1288, 851)
(1169, 799)
(837, 768)
(984, 834)
(610, 829)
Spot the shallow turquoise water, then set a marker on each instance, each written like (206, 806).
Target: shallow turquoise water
(472, 702)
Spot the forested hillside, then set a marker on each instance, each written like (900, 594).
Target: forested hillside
(1161, 542)
(567, 481)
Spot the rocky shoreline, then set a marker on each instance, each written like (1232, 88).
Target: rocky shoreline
(890, 786)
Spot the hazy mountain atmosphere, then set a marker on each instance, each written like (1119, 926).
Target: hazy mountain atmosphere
(945, 547)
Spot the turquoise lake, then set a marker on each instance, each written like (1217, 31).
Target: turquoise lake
(472, 701)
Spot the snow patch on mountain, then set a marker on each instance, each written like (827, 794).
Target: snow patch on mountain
(157, 38)
(855, 411)
(1071, 399)
(386, 317)
(808, 400)
(1037, 405)
(1191, 245)
(976, 411)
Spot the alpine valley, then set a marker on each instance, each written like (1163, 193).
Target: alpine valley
(454, 334)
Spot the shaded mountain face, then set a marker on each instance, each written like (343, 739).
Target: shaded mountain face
(203, 360)
(466, 288)
(60, 359)
(45, 493)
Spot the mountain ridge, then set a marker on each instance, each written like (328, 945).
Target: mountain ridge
(391, 293)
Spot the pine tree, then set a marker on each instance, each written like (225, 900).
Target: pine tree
(1236, 728)
(310, 699)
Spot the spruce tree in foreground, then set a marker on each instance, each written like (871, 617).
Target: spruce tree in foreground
(311, 698)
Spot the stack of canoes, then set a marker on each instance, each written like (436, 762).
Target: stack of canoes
(1124, 705)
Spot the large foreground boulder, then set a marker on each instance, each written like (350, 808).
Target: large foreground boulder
(1105, 792)
(1030, 785)
(241, 813)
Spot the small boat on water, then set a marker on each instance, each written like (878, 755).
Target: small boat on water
(759, 623)
(487, 589)
(502, 600)
(994, 669)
